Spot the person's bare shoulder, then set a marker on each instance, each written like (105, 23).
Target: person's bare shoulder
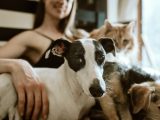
(27, 37)
(23, 35)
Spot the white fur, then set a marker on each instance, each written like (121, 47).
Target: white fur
(92, 70)
(66, 97)
(68, 91)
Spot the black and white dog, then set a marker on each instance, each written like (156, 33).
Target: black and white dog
(73, 86)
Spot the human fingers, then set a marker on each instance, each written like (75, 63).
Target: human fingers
(38, 103)
(30, 100)
(45, 102)
(21, 99)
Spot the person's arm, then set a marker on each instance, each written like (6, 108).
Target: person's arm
(28, 88)
(16, 46)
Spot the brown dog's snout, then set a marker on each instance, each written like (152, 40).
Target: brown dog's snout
(96, 89)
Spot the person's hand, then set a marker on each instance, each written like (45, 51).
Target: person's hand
(32, 96)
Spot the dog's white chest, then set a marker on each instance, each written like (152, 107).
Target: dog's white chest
(64, 103)
(67, 109)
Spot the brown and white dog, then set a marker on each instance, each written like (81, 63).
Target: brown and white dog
(73, 86)
(145, 100)
(122, 80)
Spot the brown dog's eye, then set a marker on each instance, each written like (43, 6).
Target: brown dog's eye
(155, 97)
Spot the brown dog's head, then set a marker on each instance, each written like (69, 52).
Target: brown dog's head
(146, 96)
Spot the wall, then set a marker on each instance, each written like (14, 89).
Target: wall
(16, 16)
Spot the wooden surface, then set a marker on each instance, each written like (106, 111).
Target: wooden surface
(139, 29)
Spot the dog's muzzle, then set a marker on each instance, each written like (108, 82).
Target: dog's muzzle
(96, 89)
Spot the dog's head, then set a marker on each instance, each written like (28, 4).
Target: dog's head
(146, 97)
(86, 58)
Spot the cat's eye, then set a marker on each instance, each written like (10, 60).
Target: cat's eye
(125, 42)
(116, 43)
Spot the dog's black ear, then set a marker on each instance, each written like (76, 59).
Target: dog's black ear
(108, 45)
(60, 47)
(140, 97)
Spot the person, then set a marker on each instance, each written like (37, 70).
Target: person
(56, 21)
(25, 80)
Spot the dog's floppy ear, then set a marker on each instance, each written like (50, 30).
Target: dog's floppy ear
(108, 45)
(140, 97)
(60, 47)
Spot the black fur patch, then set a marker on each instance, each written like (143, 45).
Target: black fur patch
(99, 53)
(75, 56)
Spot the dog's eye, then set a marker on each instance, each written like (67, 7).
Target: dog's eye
(155, 97)
(99, 57)
(78, 58)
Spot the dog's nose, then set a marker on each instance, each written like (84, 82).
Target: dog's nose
(95, 89)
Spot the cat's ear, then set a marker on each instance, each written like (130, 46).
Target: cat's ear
(107, 24)
(130, 27)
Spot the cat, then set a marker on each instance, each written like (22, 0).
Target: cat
(124, 38)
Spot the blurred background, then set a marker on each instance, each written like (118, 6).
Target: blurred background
(18, 15)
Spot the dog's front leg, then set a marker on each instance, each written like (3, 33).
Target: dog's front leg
(124, 111)
(108, 107)
(17, 116)
(13, 114)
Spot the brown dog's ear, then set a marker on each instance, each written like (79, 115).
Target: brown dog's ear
(140, 97)
(60, 47)
(108, 45)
